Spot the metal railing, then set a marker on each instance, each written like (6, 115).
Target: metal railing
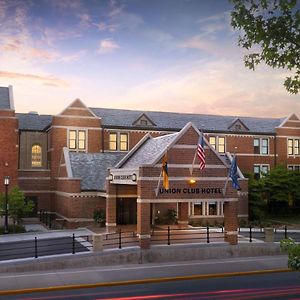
(43, 247)
(172, 236)
(120, 239)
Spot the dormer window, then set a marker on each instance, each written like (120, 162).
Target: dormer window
(143, 120)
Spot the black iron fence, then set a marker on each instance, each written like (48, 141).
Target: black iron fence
(176, 235)
(120, 239)
(44, 247)
(258, 233)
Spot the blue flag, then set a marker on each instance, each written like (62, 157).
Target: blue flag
(233, 174)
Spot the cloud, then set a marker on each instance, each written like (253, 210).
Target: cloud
(107, 46)
(218, 87)
(47, 80)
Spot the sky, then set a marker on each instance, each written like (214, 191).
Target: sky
(161, 55)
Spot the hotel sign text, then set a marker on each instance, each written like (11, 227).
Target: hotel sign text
(208, 190)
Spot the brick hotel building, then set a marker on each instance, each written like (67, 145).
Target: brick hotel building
(84, 159)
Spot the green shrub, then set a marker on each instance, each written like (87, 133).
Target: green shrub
(293, 249)
(13, 229)
(99, 216)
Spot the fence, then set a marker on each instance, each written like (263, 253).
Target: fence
(172, 236)
(120, 239)
(258, 233)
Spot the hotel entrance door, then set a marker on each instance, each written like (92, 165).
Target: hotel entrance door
(126, 211)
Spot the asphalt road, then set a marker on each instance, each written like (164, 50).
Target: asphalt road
(264, 286)
(51, 246)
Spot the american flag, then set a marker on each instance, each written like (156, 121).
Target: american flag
(201, 153)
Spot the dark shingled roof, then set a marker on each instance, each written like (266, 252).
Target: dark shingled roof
(91, 168)
(33, 121)
(4, 98)
(150, 150)
(176, 121)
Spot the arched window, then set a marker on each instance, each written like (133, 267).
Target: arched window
(36, 156)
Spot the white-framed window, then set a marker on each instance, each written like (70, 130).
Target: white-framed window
(212, 208)
(77, 140)
(207, 208)
(293, 146)
(260, 170)
(218, 143)
(261, 146)
(198, 209)
(293, 167)
(118, 141)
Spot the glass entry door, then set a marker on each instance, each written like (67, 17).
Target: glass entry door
(126, 211)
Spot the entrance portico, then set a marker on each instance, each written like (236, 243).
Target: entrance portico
(137, 179)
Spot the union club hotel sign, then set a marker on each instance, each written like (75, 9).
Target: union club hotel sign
(207, 190)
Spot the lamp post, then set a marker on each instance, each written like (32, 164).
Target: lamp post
(6, 184)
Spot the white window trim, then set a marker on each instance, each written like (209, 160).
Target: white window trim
(287, 147)
(205, 209)
(217, 142)
(118, 141)
(86, 139)
(293, 166)
(260, 145)
(260, 168)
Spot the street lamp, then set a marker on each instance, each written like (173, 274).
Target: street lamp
(6, 184)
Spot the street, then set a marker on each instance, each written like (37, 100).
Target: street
(265, 286)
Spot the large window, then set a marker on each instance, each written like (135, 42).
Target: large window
(218, 143)
(118, 141)
(36, 156)
(77, 140)
(260, 170)
(261, 146)
(294, 167)
(212, 208)
(293, 147)
(198, 209)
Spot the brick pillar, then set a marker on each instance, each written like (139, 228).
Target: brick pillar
(143, 224)
(231, 222)
(183, 214)
(111, 208)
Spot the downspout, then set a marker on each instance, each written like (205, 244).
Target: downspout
(102, 139)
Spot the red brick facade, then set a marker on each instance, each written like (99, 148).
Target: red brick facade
(58, 192)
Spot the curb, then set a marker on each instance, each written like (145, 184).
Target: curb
(139, 281)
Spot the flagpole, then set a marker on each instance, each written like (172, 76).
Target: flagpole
(159, 179)
(193, 164)
(226, 183)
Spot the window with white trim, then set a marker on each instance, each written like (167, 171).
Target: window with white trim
(261, 146)
(293, 168)
(212, 208)
(260, 170)
(218, 143)
(77, 140)
(118, 141)
(293, 147)
(198, 209)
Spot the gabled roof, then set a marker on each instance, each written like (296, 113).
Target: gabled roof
(142, 117)
(290, 117)
(238, 121)
(91, 168)
(33, 121)
(150, 150)
(4, 98)
(176, 121)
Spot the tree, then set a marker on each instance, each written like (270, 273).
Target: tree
(17, 206)
(273, 26)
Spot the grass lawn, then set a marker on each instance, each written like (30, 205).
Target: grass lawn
(292, 221)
